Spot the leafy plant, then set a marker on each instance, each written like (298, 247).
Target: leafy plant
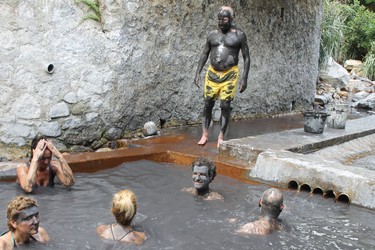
(332, 36)
(348, 30)
(94, 8)
(360, 32)
(369, 64)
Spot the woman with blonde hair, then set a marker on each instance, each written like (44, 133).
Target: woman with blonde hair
(23, 224)
(124, 208)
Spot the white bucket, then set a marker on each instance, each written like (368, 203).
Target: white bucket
(338, 114)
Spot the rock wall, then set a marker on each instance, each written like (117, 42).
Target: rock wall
(138, 65)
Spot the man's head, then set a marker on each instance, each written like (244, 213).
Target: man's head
(23, 215)
(226, 18)
(204, 171)
(271, 203)
(124, 207)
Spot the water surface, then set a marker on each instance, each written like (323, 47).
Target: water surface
(176, 220)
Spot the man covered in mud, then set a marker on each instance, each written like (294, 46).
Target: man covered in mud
(222, 46)
(204, 171)
(271, 205)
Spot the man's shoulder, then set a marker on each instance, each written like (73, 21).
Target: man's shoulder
(214, 196)
(214, 33)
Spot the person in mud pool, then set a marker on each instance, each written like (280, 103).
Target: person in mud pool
(204, 172)
(271, 205)
(124, 208)
(41, 170)
(23, 224)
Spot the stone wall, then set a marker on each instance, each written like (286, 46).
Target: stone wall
(139, 64)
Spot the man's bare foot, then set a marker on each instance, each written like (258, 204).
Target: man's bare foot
(203, 141)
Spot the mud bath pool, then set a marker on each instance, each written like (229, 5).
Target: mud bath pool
(176, 220)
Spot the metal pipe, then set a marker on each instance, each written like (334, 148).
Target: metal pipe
(305, 188)
(329, 194)
(292, 185)
(343, 198)
(318, 190)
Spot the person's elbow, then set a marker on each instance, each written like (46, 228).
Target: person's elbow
(70, 182)
(27, 189)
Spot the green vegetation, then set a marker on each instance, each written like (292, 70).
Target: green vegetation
(348, 32)
(94, 8)
(369, 65)
(333, 27)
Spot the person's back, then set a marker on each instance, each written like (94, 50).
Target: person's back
(121, 233)
(271, 205)
(124, 208)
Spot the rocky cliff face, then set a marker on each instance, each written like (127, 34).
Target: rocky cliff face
(84, 83)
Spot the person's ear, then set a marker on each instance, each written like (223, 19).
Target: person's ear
(260, 202)
(281, 207)
(13, 223)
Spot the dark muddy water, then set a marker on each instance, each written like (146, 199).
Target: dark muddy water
(176, 220)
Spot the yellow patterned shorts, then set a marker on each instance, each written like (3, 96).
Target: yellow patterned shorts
(221, 83)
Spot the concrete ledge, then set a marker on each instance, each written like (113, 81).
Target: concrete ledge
(296, 140)
(328, 169)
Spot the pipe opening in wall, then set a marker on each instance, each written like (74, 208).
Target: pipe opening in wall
(318, 191)
(50, 68)
(343, 198)
(282, 13)
(305, 188)
(329, 194)
(292, 185)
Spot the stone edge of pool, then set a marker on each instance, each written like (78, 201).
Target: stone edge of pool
(318, 160)
(274, 159)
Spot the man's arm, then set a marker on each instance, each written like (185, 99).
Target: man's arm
(202, 62)
(246, 64)
(63, 170)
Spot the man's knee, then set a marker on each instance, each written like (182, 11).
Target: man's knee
(225, 106)
(209, 103)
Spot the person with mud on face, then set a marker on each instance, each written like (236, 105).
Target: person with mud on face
(222, 47)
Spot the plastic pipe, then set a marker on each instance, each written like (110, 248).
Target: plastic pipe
(49, 68)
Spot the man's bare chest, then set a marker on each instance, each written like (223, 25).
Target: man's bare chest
(230, 40)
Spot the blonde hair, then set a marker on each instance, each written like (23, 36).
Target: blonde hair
(16, 206)
(124, 207)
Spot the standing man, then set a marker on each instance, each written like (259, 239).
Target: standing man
(223, 46)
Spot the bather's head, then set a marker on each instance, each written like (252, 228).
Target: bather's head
(271, 203)
(204, 171)
(124, 207)
(44, 160)
(23, 215)
(226, 18)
